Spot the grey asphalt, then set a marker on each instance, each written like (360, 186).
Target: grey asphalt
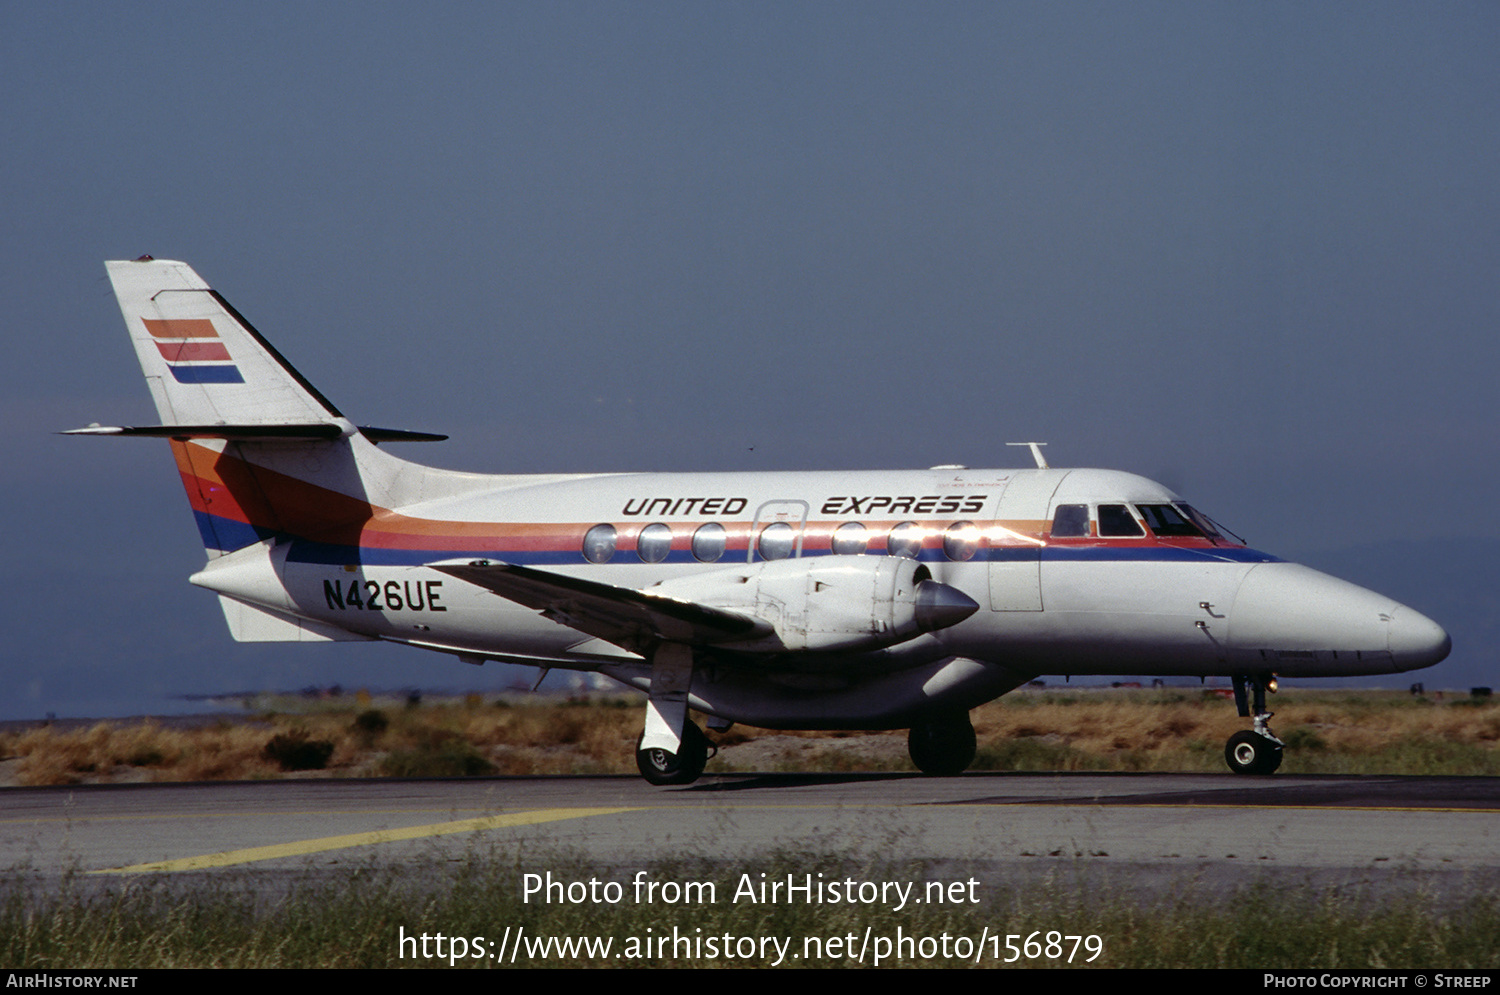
(1148, 831)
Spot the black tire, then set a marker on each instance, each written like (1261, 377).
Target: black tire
(943, 746)
(1252, 753)
(664, 768)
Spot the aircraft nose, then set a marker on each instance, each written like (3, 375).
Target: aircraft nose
(1416, 640)
(1296, 621)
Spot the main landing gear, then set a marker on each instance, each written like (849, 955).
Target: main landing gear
(663, 767)
(1257, 751)
(671, 750)
(942, 745)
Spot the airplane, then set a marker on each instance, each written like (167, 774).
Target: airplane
(795, 600)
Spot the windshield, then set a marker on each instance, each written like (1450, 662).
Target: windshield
(1166, 520)
(1208, 525)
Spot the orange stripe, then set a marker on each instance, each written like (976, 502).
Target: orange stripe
(222, 484)
(181, 328)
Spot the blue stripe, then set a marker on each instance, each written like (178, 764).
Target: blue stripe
(226, 534)
(310, 552)
(206, 374)
(1232, 554)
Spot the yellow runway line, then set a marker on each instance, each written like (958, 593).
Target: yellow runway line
(296, 849)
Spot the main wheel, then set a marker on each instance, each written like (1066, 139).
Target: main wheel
(1252, 753)
(942, 745)
(663, 767)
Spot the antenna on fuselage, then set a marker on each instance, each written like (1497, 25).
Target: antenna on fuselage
(1036, 453)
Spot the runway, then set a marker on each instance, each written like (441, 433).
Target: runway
(1134, 830)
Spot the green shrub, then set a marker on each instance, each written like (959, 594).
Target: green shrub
(1303, 738)
(295, 750)
(371, 723)
(451, 757)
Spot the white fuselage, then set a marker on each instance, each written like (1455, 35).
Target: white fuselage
(1084, 604)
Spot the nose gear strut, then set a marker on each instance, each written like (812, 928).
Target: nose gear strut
(1257, 751)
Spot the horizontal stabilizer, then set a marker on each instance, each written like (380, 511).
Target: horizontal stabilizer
(317, 431)
(633, 619)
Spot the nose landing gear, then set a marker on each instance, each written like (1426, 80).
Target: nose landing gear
(1257, 751)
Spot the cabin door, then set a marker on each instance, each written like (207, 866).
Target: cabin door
(1015, 547)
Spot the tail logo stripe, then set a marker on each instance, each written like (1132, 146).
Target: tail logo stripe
(175, 341)
(180, 328)
(206, 374)
(192, 352)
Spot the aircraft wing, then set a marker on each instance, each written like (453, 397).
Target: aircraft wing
(636, 620)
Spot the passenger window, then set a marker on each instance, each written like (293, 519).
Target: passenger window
(599, 543)
(961, 541)
(850, 539)
(1116, 520)
(905, 540)
(777, 541)
(709, 542)
(654, 543)
(1070, 521)
(1166, 520)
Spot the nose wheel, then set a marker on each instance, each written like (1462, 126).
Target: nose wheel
(1252, 753)
(1255, 751)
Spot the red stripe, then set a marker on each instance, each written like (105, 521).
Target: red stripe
(191, 352)
(225, 486)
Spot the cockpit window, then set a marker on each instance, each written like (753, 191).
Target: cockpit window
(1166, 520)
(1201, 520)
(1116, 520)
(1070, 521)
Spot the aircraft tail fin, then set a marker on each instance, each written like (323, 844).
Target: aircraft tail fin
(205, 364)
(262, 454)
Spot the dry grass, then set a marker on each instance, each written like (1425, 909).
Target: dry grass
(143, 751)
(445, 738)
(1325, 731)
(1055, 729)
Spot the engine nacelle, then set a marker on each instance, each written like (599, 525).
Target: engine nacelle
(828, 604)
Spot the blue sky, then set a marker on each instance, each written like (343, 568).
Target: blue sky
(1247, 249)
